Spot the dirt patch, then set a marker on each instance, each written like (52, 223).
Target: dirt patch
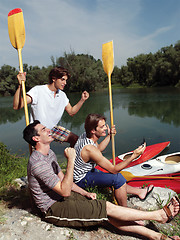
(17, 221)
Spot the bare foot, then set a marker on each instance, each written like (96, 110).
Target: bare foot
(145, 192)
(169, 211)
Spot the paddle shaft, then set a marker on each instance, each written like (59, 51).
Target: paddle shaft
(111, 117)
(160, 177)
(24, 94)
(108, 65)
(23, 88)
(129, 176)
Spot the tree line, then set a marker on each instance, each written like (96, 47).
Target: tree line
(149, 70)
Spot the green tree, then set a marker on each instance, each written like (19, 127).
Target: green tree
(159, 69)
(8, 80)
(125, 76)
(86, 72)
(167, 66)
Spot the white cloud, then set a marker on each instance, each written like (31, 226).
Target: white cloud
(55, 26)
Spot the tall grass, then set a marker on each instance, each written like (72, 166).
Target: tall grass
(11, 166)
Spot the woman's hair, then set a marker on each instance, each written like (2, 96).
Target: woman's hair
(58, 73)
(91, 122)
(29, 132)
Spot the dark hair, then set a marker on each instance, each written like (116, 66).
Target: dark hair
(57, 73)
(29, 132)
(91, 122)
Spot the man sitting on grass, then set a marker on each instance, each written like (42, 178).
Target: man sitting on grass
(63, 203)
(89, 154)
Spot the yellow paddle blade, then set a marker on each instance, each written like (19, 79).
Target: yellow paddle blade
(108, 57)
(129, 176)
(16, 28)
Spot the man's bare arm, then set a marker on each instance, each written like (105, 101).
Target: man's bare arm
(73, 110)
(64, 186)
(18, 102)
(91, 152)
(102, 146)
(81, 191)
(74, 187)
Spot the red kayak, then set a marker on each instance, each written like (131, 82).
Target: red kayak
(171, 183)
(150, 152)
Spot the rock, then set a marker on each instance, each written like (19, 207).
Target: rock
(22, 182)
(156, 199)
(24, 223)
(19, 224)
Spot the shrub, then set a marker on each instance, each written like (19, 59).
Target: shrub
(11, 166)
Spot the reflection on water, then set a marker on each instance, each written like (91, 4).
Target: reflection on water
(7, 114)
(138, 113)
(167, 112)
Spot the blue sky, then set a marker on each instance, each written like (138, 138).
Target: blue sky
(57, 26)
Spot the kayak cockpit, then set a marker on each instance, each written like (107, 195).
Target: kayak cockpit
(174, 159)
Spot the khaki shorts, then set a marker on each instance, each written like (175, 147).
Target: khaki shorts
(59, 133)
(77, 211)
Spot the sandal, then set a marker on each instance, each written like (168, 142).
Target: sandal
(178, 202)
(168, 211)
(177, 199)
(164, 237)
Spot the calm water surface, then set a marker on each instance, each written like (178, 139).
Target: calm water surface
(150, 113)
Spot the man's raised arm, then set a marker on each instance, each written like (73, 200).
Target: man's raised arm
(73, 110)
(64, 186)
(18, 100)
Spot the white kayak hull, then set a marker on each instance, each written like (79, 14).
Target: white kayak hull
(165, 164)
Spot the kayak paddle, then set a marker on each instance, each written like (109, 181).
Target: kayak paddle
(17, 37)
(129, 176)
(108, 65)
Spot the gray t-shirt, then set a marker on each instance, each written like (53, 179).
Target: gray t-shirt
(42, 174)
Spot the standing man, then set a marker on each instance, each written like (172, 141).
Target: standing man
(88, 155)
(48, 103)
(63, 203)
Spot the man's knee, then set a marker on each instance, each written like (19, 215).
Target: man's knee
(123, 187)
(109, 208)
(119, 181)
(72, 139)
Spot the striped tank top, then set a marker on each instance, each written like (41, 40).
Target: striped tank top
(81, 168)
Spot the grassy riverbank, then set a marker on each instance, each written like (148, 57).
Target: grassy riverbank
(11, 166)
(11, 196)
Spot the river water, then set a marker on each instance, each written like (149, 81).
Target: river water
(153, 114)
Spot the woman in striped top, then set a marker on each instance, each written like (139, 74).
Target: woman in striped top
(88, 154)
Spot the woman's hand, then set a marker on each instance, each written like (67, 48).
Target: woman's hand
(138, 151)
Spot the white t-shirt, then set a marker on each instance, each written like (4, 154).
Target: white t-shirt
(45, 107)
